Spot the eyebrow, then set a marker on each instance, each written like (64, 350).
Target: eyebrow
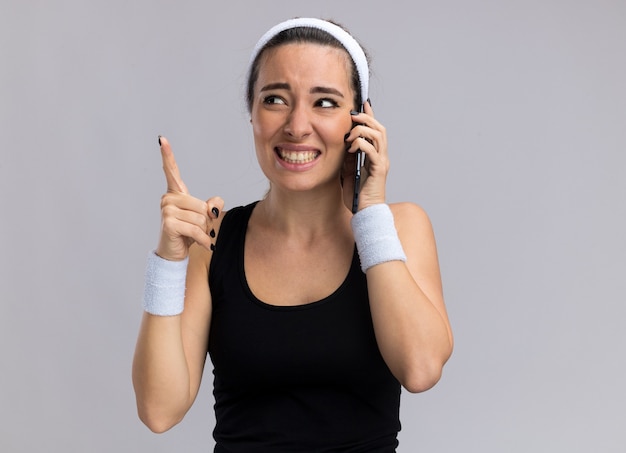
(326, 90)
(286, 86)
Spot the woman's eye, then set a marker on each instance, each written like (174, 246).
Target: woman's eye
(326, 103)
(273, 100)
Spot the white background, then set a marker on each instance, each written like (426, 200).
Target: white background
(507, 122)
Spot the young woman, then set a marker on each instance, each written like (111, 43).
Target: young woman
(314, 317)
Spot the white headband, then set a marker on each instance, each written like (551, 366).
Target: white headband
(346, 40)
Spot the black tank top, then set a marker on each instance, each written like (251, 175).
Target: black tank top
(308, 378)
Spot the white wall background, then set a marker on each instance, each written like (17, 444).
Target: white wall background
(507, 122)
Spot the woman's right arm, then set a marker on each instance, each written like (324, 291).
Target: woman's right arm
(171, 350)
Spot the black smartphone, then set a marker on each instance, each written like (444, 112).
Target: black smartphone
(360, 173)
(359, 178)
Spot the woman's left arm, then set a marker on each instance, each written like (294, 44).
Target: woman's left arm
(406, 299)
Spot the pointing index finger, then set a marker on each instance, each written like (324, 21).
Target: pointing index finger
(172, 174)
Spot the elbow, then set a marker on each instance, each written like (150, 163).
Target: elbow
(157, 426)
(158, 413)
(423, 377)
(420, 383)
(424, 372)
(156, 420)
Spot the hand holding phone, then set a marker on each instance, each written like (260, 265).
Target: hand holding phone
(370, 163)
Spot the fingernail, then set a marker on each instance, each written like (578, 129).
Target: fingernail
(345, 137)
(159, 140)
(369, 101)
(216, 212)
(212, 233)
(354, 112)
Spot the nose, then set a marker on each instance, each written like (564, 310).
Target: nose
(298, 123)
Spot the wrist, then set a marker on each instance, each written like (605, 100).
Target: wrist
(164, 290)
(169, 253)
(376, 237)
(372, 199)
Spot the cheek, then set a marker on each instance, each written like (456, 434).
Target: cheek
(266, 124)
(336, 130)
(260, 128)
(256, 129)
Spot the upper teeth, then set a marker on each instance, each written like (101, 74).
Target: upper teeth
(297, 157)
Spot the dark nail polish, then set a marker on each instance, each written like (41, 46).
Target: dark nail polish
(345, 137)
(216, 212)
(212, 233)
(354, 112)
(369, 101)
(159, 140)
(212, 247)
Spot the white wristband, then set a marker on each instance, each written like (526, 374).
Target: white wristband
(164, 290)
(376, 236)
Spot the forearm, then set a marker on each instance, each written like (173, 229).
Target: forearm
(412, 335)
(161, 374)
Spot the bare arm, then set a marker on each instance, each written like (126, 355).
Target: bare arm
(410, 320)
(171, 350)
(406, 299)
(171, 353)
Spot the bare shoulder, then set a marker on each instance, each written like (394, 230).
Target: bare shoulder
(418, 241)
(411, 219)
(417, 237)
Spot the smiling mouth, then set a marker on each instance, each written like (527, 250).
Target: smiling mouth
(297, 157)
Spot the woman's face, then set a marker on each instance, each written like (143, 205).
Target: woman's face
(301, 113)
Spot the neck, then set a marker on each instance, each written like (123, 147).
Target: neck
(305, 214)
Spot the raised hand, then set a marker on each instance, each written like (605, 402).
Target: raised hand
(370, 137)
(184, 219)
